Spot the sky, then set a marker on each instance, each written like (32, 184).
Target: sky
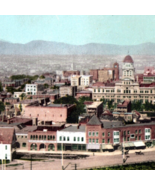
(78, 30)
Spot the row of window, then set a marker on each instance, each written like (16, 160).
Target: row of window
(22, 137)
(119, 91)
(42, 137)
(68, 139)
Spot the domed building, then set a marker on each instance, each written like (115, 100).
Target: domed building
(128, 70)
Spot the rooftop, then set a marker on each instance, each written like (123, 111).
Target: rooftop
(94, 121)
(128, 59)
(94, 104)
(74, 129)
(6, 135)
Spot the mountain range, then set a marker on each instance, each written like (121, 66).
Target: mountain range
(39, 47)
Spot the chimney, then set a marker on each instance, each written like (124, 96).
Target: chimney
(8, 121)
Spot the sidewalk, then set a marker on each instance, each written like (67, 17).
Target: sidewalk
(84, 153)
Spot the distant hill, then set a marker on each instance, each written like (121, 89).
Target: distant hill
(39, 47)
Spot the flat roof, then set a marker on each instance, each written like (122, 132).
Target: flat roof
(94, 104)
(74, 129)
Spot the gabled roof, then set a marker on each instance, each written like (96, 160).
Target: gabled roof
(94, 121)
(6, 135)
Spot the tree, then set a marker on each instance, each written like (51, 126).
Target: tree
(46, 86)
(2, 106)
(1, 88)
(20, 107)
(42, 77)
(22, 96)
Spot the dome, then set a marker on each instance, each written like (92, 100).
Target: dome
(128, 59)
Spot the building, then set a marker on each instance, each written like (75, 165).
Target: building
(106, 74)
(72, 137)
(86, 80)
(107, 134)
(70, 73)
(124, 106)
(34, 88)
(7, 143)
(67, 90)
(75, 80)
(11, 101)
(52, 112)
(94, 73)
(94, 108)
(84, 93)
(127, 88)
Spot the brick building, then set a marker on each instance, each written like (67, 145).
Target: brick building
(51, 112)
(69, 73)
(84, 93)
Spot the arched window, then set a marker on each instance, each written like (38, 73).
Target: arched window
(23, 144)
(36, 137)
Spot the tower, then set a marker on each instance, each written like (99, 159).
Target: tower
(116, 69)
(128, 70)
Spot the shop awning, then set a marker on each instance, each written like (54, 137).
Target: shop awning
(107, 147)
(93, 146)
(139, 143)
(129, 144)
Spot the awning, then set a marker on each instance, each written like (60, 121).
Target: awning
(107, 147)
(139, 143)
(93, 146)
(129, 144)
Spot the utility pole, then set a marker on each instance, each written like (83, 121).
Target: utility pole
(2, 156)
(62, 154)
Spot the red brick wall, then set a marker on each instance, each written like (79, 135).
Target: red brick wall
(56, 114)
(94, 73)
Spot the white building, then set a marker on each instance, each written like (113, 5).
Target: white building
(72, 137)
(86, 80)
(7, 143)
(75, 80)
(33, 88)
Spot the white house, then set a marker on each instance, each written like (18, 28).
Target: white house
(86, 80)
(7, 142)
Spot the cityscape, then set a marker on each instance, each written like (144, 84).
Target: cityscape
(77, 106)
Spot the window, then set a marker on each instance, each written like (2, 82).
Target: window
(116, 133)
(124, 133)
(5, 156)
(64, 138)
(147, 137)
(96, 140)
(25, 136)
(108, 133)
(67, 138)
(128, 138)
(147, 130)
(5, 147)
(44, 137)
(60, 138)
(82, 139)
(89, 133)
(24, 145)
(108, 140)
(94, 90)
(89, 140)
(98, 90)
(139, 131)
(139, 137)
(93, 133)
(116, 140)
(78, 139)
(93, 140)
(102, 90)
(96, 133)
(136, 132)
(74, 138)
(103, 141)
(103, 134)
(136, 137)
(128, 132)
